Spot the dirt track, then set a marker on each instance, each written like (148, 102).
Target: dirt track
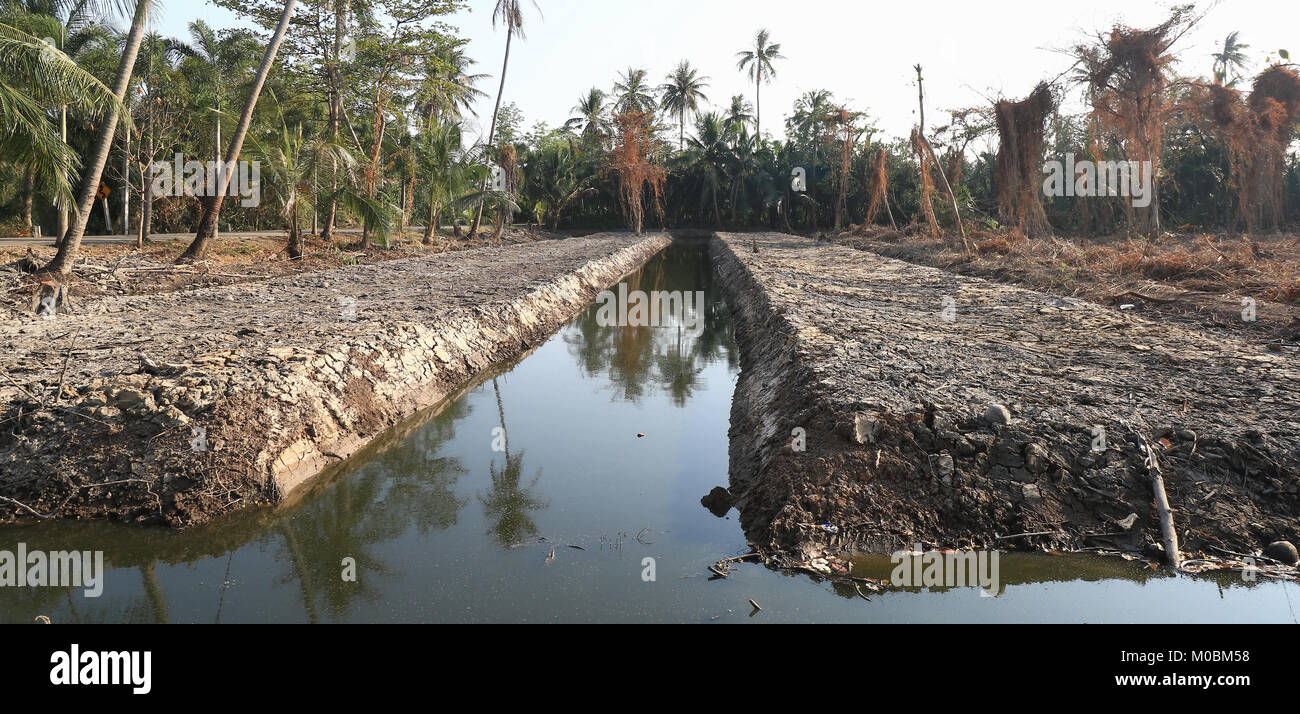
(279, 377)
(858, 350)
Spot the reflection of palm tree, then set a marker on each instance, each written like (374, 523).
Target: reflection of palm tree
(677, 372)
(153, 591)
(629, 356)
(508, 503)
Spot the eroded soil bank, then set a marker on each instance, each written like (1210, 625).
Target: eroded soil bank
(895, 372)
(178, 407)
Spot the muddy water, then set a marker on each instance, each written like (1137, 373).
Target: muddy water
(468, 513)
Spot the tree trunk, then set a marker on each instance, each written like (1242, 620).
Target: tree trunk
(94, 168)
(295, 247)
(146, 205)
(126, 184)
(216, 155)
(61, 227)
(492, 131)
(29, 188)
(335, 110)
(432, 228)
(212, 204)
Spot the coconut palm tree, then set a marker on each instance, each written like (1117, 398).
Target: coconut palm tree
(448, 89)
(287, 163)
(452, 173)
(511, 14)
(633, 92)
(739, 115)
(212, 204)
(1230, 59)
(555, 177)
(103, 142)
(154, 63)
(708, 157)
(757, 63)
(683, 93)
(591, 115)
(213, 61)
(70, 27)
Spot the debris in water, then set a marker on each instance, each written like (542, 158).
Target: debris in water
(756, 607)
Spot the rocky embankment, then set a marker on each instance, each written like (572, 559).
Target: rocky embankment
(177, 407)
(882, 404)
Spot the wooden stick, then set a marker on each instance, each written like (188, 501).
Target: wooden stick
(1167, 532)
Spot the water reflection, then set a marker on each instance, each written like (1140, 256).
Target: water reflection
(668, 357)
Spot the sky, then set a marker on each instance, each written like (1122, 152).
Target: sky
(861, 50)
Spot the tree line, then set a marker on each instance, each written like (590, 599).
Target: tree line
(356, 112)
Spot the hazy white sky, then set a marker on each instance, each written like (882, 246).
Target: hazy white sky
(862, 50)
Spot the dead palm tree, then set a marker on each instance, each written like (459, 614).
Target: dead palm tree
(510, 13)
(757, 63)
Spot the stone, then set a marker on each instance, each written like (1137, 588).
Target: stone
(1037, 459)
(1282, 551)
(1031, 493)
(866, 428)
(997, 414)
(943, 464)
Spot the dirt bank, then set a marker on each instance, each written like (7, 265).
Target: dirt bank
(896, 387)
(177, 407)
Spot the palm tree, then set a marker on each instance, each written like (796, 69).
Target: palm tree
(683, 93)
(738, 115)
(212, 204)
(94, 168)
(633, 92)
(214, 60)
(287, 164)
(758, 64)
(591, 115)
(452, 173)
(511, 14)
(448, 88)
(708, 157)
(71, 26)
(156, 59)
(1230, 60)
(554, 177)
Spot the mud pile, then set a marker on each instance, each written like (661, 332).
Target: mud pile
(175, 408)
(882, 404)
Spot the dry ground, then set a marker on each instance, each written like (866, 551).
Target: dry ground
(1192, 279)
